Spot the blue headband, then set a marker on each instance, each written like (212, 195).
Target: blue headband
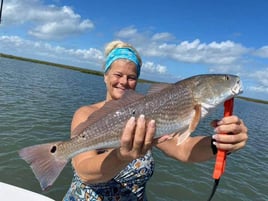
(122, 53)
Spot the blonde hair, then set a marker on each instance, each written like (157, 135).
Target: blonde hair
(120, 44)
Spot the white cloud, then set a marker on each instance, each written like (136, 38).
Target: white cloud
(127, 32)
(259, 89)
(230, 69)
(261, 76)
(154, 68)
(258, 81)
(45, 51)
(164, 36)
(45, 21)
(262, 52)
(213, 53)
(226, 52)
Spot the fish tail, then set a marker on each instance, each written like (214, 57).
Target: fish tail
(45, 162)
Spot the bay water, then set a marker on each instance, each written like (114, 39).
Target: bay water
(36, 106)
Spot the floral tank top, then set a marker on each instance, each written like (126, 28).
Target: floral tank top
(128, 185)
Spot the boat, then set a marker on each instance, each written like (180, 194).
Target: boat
(10, 192)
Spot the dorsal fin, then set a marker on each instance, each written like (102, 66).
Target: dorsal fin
(109, 107)
(155, 88)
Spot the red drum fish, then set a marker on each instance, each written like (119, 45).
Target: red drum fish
(176, 108)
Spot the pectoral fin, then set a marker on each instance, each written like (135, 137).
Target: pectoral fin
(195, 120)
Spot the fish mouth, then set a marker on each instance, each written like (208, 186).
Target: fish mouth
(238, 88)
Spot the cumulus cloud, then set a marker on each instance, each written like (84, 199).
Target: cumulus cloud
(154, 68)
(259, 89)
(164, 36)
(45, 21)
(127, 32)
(163, 45)
(257, 81)
(226, 52)
(38, 50)
(262, 52)
(261, 76)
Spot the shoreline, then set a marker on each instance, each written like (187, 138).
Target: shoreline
(99, 73)
(82, 70)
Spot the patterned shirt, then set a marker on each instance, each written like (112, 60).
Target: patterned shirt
(128, 185)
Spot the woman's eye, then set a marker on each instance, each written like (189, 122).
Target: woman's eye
(117, 75)
(132, 78)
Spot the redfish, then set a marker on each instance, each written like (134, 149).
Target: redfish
(176, 108)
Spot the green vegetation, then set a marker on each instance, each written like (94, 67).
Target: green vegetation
(83, 70)
(253, 100)
(52, 64)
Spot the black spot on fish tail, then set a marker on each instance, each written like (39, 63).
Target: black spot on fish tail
(53, 149)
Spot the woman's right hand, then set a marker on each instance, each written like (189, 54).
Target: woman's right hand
(136, 139)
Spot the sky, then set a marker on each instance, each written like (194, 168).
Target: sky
(176, 38)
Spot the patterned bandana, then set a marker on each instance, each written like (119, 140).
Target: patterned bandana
(122, 53)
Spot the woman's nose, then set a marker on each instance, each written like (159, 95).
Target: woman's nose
(123, 80)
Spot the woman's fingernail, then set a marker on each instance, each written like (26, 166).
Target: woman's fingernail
(214, 137)
(142, 116)
(131, 120)
(152, 122)
(220, 122)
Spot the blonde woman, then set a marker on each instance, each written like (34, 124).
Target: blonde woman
(122, 173)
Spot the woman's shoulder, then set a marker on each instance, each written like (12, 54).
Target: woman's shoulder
(82, 113)
(88, 109)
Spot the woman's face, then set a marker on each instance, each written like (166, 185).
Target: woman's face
(122, 75)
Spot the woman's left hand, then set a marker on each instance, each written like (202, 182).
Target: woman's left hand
(236, 137)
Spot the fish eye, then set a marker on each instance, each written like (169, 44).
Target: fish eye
(227, 77)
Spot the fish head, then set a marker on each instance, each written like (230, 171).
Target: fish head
(213, 89)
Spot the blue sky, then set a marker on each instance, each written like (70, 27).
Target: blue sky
(175, 38)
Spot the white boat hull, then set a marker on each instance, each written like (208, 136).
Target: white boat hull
(13, 193)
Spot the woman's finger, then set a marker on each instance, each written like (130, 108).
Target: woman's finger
(128, 135)
(150, 131)
(139, 135)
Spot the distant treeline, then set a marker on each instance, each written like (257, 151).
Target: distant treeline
(83, 70)
(52, 64)
(253, 100)
(99, 73)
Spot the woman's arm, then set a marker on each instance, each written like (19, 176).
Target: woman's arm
(193, 149)
(198, 149)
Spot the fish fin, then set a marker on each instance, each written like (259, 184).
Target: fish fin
(195, 120)
(109, 107)
(182, 137)
(44, 162)
(155, 88)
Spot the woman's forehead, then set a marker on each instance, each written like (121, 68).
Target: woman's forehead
(123, 65)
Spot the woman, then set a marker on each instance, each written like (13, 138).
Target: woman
(122, 173)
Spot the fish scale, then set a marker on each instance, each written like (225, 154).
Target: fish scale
(176, 108)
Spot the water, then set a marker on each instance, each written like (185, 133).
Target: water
(37, 103)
